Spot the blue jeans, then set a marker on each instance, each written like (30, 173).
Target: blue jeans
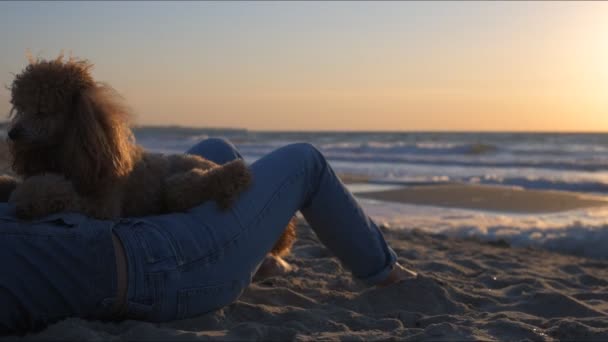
(185, 264)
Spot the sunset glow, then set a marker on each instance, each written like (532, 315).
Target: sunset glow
(497, 66)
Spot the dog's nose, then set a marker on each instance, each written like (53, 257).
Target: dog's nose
(15, 133)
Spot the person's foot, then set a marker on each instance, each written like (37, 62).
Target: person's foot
(398, 274)
(273, 266)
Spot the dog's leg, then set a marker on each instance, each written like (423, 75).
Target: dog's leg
(39, 196)
(283, 245)
(223, 183)
(7, 185)
(186, 162)
(273, 264)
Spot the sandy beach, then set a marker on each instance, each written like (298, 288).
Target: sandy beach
(467, 289)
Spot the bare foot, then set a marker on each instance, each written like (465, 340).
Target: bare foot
(398, 274)
(273, 266)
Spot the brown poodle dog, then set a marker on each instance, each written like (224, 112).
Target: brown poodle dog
(71, 143)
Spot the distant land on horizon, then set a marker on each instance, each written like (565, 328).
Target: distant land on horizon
(4, 124)
(237, 129)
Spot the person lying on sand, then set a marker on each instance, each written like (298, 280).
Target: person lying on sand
(176, 266)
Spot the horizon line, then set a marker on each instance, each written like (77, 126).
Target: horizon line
(365, 131)
(431, 131)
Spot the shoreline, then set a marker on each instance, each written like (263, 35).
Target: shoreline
(489, 198)
(497, 198)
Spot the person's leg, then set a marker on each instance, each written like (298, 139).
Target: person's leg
(217, 150)
(222, 151)
(203, 259)
(298, 177)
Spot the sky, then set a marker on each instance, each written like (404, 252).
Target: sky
(338, 66)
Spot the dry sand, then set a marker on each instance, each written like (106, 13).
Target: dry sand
(467, 290)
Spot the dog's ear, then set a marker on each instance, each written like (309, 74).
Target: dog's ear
(98, 145)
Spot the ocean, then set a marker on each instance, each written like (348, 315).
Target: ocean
(551, 161)
(573, 162)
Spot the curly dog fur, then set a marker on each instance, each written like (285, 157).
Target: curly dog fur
(71, 143)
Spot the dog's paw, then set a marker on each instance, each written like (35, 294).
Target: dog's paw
(273, 266)
(39, 196)
(238, 174)
(223, 184)
(235, 177)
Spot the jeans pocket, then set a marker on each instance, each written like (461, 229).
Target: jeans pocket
(155, 244)
(199, 300)
(198, 239)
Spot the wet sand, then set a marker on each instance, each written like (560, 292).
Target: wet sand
(488, 197)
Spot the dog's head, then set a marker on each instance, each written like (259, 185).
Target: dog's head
(62, 121)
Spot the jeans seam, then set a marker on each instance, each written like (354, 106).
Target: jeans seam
(261, 214)
(155, 284)
(238, 219)
(317, 187)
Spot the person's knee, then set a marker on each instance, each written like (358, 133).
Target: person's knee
(308, 152)
(219, 144)
(219, 150)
